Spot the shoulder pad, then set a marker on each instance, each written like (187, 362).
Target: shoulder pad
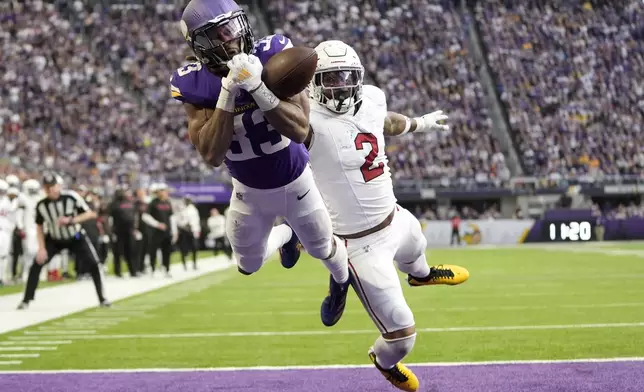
(270, 45)
(375, 95)
(194, 84)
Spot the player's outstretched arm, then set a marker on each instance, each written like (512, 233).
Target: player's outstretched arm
(211, 132)
(397, 124)
(290, 117)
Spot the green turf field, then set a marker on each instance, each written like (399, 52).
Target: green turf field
(520, 303)
(18, 288)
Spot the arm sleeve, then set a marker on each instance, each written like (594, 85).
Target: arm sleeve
(147, 218)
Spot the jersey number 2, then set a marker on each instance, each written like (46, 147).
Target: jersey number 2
(369, 172)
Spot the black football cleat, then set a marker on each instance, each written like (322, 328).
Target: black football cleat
(290, 251)
(334, 303)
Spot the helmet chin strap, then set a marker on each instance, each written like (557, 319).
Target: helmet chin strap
(339, 105)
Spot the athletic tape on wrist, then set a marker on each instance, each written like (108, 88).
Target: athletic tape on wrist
(226, 101)
(264, 98)
(407, 125)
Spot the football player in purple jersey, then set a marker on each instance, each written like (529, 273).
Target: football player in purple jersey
(234, 118)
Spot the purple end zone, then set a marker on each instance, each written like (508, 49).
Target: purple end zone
(564, 377)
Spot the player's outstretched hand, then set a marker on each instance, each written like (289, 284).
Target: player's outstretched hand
(429, 122)
(245, 71)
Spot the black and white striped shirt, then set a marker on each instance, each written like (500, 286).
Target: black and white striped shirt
(48, 211)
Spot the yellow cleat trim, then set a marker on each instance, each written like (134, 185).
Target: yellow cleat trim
(458, 275)
(411, 384)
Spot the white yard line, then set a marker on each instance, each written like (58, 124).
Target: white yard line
(67, 331)
(61, 332)
(328, 367)
(19, 355)
(344, 332)
(43, 342)
(33, 348)
(428, 310)
(8, 363)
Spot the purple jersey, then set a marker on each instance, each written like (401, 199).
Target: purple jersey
(259, 156)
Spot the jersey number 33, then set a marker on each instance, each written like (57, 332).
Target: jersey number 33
(254, 137)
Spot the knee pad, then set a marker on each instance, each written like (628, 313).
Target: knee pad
(320, 248)
(315, 232)
(247, 265)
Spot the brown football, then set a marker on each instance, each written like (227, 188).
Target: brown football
(288, 73)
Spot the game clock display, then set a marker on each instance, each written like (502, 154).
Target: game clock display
(573, 231)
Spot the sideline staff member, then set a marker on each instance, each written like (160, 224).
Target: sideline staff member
(164, 227)
(60, 215)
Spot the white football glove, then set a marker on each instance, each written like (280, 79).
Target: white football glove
(228, 84)
(429, 122)
(245, 71)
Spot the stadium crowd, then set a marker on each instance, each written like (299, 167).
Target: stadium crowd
(85, 90)
(422, 64)
(63, 107)
(572, 77)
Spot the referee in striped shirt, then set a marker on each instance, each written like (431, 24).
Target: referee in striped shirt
(58, 218)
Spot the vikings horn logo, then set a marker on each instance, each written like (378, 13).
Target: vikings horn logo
(471, 234)
(184, 30)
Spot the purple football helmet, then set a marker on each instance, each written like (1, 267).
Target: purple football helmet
(216, 31)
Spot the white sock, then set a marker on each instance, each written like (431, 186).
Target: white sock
(338, 264)
(418, 268)
(390, 352)
(279, 235)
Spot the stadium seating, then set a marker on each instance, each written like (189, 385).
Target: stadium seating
(416, 52)
(571, 77)
(85, 87)
(65, 105)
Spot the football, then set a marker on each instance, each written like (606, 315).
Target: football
(289, 72)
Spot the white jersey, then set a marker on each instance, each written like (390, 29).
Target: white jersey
(188, 219)
(349, 163)
(7, 214)
(30, 202)
(216, 226)
(20, 205)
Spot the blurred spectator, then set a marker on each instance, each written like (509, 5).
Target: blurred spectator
(62, 107)
(415, 51)
(572, 76)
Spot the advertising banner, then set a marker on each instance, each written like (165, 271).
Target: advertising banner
(202, 193)
(478, 232)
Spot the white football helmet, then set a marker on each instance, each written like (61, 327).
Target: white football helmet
(13, 180)
(4, 187)
(337, 83)
(31, 186)
(13, 191)
(154, 187)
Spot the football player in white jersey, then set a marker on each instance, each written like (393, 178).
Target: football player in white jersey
(346, 142)
(31, 196)
(18, 201)
(7, 225)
